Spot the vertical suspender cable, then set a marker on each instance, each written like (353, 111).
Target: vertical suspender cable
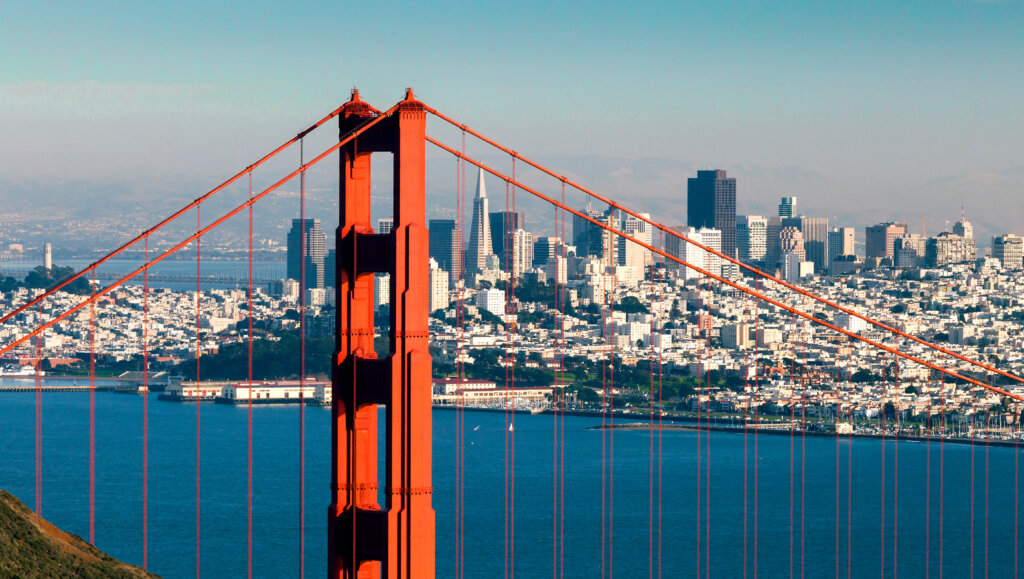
(803, 450)
(614, 283)
(756, 402)
(701, 376)
(39, 419)
(792, 420)
(554, 414)
(561, 449)
(972, 435)
(835, 390)
(988, 418)
(849, 482)
(145, 409)
(661, 408)
(249, 404)
(199, 386)
(942, 485)
(928, 494)
(306, 247)
(508, 424)
(700, 448)
(650, 443)
(512, 368)
(462, 365)
(896, 470)
(92, 418)
(458, 407)
(746, 457)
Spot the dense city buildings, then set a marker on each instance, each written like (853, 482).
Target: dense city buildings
(544, 248)
(694, 255)
(948, 248)
(711, 203)
(751, 238)
(592, 240)
(840, 242)
(909, 251)
(879, 239)
(307, 243)
(814, 231)
(503, 224)
(446, 246)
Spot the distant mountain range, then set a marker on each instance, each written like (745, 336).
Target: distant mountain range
(992, 200)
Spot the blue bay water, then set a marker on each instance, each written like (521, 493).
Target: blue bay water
(276, 512)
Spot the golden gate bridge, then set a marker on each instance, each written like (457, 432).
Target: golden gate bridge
(397, 538)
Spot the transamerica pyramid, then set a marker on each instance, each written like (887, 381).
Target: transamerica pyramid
(480, 233)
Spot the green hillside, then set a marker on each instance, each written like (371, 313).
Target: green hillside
(32, 547)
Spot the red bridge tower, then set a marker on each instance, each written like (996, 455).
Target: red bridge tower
(365, 540)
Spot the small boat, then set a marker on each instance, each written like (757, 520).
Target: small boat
(477, 427)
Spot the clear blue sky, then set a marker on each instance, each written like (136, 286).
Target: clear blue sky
(871, 95)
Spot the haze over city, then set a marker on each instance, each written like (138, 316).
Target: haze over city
(863, 111)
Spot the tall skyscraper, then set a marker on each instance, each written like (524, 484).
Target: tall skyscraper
(751, 238)
(879, 239)
(773, 255)
(633, 254)
(503, 223)
(330, 268)
(909, 251)
(787, 207)
(792, 240)
(480, 247)
(840, 242)
(446, 246)
(544, 249)
(594, 241)
(815, 236)
(306, 234)
(521, 245)
(385, 225)
(947, 248)
(693, 255)
(1009, 250)
(438, 287)
(963, 228)
(711, 203)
